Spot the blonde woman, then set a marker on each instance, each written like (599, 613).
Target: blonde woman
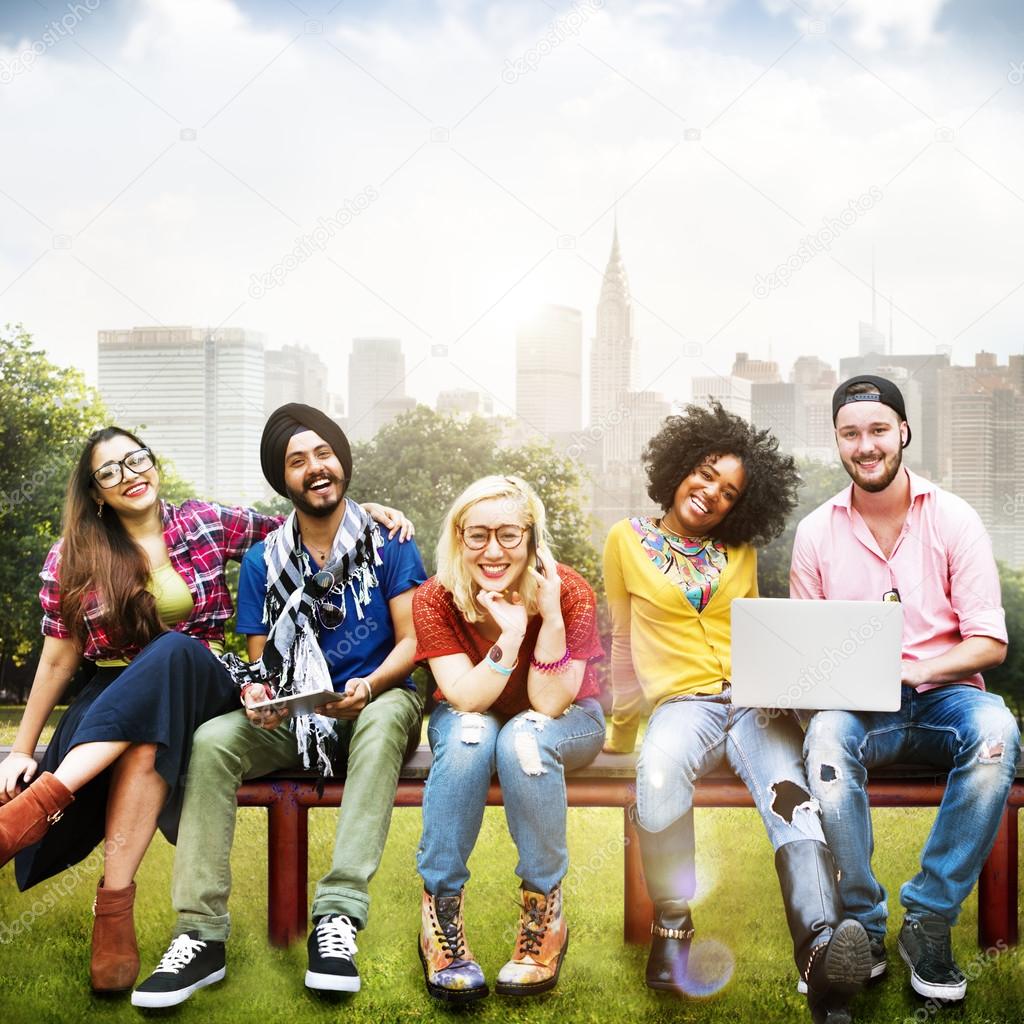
(510, 646)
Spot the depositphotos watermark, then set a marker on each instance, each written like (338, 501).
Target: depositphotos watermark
(557, 33)
(312, 243)
(821, 241)
(59, 890)
(56, 31)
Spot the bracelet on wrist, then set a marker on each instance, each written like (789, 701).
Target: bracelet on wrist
(369, 690)
(553, 667)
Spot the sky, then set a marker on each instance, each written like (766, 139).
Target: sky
(318, 171)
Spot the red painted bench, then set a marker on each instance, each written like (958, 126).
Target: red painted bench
(609, 782)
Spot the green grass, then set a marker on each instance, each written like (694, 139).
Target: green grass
(741, 934)
(738, 914)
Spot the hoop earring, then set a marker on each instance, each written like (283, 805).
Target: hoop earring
(99, 509)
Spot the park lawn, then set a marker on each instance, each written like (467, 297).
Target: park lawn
(742, 941)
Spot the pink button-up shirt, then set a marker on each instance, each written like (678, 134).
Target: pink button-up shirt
(942, 566)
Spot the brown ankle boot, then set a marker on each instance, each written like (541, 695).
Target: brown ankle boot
(25, 819)
(115, 955)
(540, 946)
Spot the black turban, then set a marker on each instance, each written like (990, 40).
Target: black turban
(293, 419)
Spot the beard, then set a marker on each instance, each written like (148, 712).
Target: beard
(321, 510)
(891, 464)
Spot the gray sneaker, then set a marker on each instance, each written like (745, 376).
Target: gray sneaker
(925, 946)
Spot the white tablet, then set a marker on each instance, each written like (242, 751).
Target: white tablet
(299, 703)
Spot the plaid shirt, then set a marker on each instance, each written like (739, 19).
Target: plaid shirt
(200, 538)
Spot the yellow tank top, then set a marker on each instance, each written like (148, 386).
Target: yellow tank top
(174, 604)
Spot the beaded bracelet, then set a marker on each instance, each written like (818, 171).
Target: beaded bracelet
(552, 667)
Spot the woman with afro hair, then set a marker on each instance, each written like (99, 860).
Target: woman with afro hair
(724, 488)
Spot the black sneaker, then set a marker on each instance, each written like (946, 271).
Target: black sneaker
(879, 961)
(189, 964)
(332, 949)
(925, 946)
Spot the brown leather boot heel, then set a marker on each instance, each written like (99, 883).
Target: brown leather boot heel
(115, 955)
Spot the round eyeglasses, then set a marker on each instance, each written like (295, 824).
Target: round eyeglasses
(509, 536)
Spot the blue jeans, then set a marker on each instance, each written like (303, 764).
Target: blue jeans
(532, 753)
(958, 727)
(687, 737)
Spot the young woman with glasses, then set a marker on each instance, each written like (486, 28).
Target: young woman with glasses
(723, 487)
(135, 586)
(509, 635)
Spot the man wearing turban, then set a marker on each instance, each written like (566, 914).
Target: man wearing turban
(326, 604)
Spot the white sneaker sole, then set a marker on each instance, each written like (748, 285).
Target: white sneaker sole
(332, 982)
(158, 1000)
(950, 993)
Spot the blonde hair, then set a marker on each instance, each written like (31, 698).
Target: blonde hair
(452, 572)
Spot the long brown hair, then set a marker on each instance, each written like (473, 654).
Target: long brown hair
(101, 564)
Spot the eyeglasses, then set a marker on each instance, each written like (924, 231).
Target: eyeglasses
(110, 474)
(476, 538)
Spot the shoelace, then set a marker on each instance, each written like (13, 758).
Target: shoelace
(336, 937)
(449, 930)
(938, 951)
(534, 927)
(181, 953)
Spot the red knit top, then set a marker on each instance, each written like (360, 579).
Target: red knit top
(441, 630)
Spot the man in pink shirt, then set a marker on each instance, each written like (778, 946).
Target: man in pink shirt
(894, 536)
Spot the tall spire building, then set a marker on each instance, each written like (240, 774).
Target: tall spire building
(614, 353)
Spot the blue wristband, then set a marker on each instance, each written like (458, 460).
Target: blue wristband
(500, 669)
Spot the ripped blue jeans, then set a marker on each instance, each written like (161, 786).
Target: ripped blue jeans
(531, 753)
(687, 737)
(960, 728)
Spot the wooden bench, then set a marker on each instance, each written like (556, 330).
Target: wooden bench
(608, 782)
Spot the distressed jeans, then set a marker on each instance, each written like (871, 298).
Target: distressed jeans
(230, 749)
(531, 753)
(689, 736)
(960, 728)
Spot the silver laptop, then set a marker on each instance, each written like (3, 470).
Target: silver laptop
(816, 654)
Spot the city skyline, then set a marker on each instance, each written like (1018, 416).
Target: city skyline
(758, 156)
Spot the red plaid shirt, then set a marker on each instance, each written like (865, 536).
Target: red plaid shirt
(200, 538)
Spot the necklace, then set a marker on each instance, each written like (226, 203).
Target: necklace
(698, 542)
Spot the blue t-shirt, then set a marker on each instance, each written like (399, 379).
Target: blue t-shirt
(357, 646)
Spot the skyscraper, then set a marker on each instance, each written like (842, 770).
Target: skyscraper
(614, 353)
(197, 396)
(295, 374)
(549, 373)
(376, 386)
(732, 392)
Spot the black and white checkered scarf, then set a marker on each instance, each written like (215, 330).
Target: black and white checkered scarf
(292, 661)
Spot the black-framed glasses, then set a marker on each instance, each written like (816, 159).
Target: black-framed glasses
(509, 536)
(110, 474)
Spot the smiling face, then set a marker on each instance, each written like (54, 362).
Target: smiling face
(313, 476)
(137, 492)
(494, 567)
(706, 496)
(870, 438)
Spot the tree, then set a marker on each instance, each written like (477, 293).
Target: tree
(422, 461)
(819, 482)
(45, 411)
(1008, 679)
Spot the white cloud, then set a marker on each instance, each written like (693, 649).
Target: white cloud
(462, 239)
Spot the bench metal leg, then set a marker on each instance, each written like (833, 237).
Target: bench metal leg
(287, 842)
(997, 887)
(638, 911)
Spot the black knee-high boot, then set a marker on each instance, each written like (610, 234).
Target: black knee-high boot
(832, 955)
(667, 858)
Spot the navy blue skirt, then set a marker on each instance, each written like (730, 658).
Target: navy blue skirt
(168, 690)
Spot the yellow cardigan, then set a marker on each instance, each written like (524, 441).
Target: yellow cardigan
(661, 646)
